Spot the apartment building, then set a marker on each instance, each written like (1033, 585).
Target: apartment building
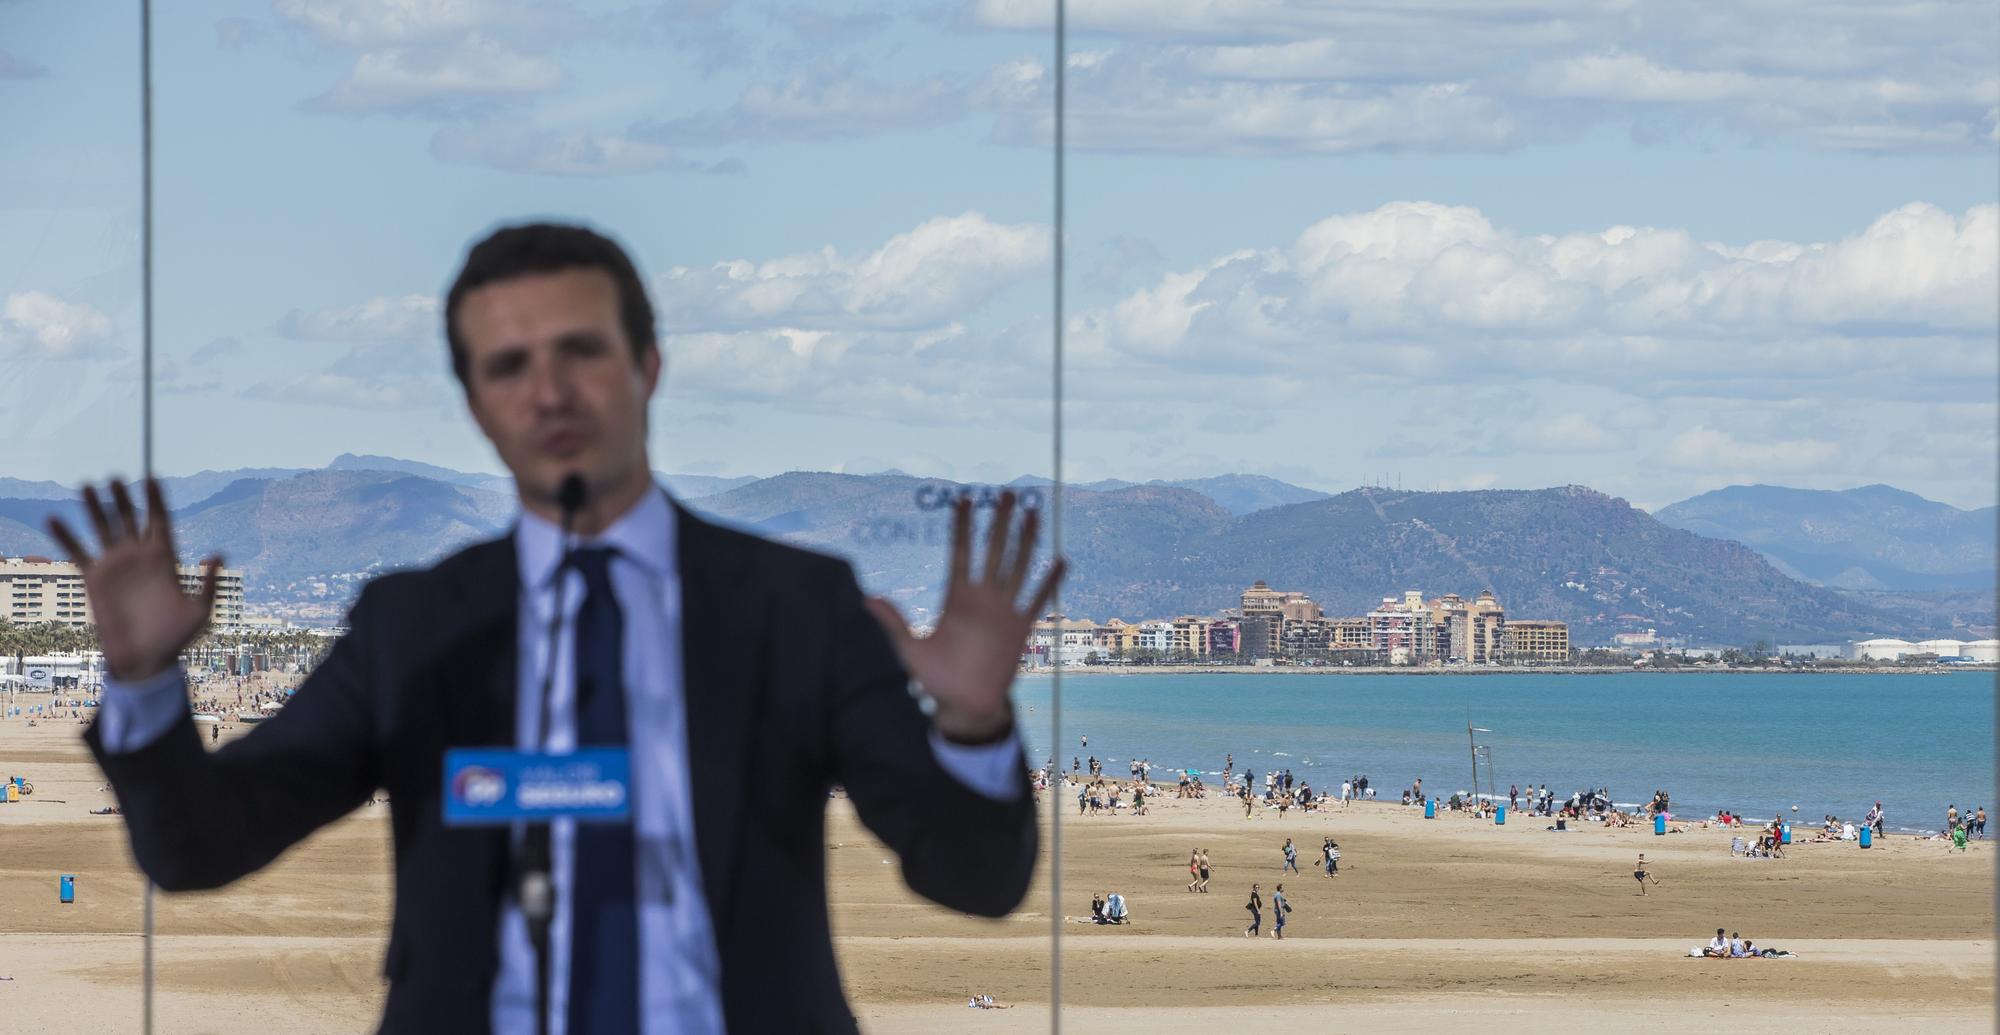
(1537, 642)
(34, 590)
(1403, 632)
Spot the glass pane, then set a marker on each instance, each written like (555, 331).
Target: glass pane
(70, 360)
(851, 287)
(1483, 342)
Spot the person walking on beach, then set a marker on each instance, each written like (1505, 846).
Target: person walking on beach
(1326, 855)
(1291, 857)
(1346, 792)
(1256, 908)
(1979, 823)
(1279, 907)
(1245, 794)
(1202, 872)
(1642, 875)
(1194, 868)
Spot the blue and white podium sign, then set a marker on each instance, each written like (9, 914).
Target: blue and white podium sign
(490, 786)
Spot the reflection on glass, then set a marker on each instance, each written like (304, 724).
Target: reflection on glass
(841, 219)
(70, 337)
(1418, 353)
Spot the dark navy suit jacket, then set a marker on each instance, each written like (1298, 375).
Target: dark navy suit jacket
(791, 687)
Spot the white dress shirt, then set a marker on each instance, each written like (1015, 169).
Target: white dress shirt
(680, 975)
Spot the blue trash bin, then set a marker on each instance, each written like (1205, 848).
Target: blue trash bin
(1659, 824)
(1430, 808)
(1785, 832)
(1867, 837)
(68, 888)
(1500, 816)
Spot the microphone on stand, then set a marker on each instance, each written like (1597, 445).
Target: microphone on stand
(534, 889)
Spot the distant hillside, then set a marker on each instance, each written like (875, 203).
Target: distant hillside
(291, 532)
(1154, 551)
(1872, 538)
(1236, 493)
(1137, 550)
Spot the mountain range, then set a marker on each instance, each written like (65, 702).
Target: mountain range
(1872, 538)
(1153, 549)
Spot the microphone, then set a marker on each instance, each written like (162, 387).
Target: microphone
(535, 889)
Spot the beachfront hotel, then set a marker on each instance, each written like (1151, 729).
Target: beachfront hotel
(38, 590)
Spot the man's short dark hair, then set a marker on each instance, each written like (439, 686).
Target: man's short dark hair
(515, 251)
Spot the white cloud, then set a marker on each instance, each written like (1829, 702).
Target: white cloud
(1421, 290)
(404, 318)
(920, 279)
(1703, 448)
(39, 325)
(377, 23)
(824, 101)
(477, 71)
(1887, 76)
(1134, 101)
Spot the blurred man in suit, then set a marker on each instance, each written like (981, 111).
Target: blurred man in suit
(745, 677)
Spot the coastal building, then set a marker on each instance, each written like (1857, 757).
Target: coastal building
(1189, 636)
(1537, 642)
(1986, 652)
(1156, 636)
(1223, 638)
(35, 590)
(1350, 634)
(1468, 632)
(1402, 632)
(1271, 609)
(1116, 637)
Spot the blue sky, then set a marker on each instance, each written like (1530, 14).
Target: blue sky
(1458, 244)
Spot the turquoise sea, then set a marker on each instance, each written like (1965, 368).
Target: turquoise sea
(1757, 744)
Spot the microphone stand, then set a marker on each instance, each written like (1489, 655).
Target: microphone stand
(535, 889)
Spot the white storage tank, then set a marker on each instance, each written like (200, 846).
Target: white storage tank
(1985, 651)
(1884, 649)
(1941, 648)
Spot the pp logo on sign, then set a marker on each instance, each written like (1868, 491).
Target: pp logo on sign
(479, 786)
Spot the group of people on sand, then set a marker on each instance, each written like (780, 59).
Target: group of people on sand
(1960, 828)
(1109, 908)
(1731, 946)
(1101, 796)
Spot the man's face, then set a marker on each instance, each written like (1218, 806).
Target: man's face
(552, 381)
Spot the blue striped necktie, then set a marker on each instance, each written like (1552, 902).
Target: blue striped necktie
(604, 938)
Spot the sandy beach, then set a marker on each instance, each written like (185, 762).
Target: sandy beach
(1446, 922)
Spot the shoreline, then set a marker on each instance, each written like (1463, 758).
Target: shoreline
(1466, 670)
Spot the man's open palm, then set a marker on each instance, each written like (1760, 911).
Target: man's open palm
(967, 664)
(144, 619)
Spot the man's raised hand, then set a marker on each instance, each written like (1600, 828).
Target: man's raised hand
(143, 618)
(967, 663)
